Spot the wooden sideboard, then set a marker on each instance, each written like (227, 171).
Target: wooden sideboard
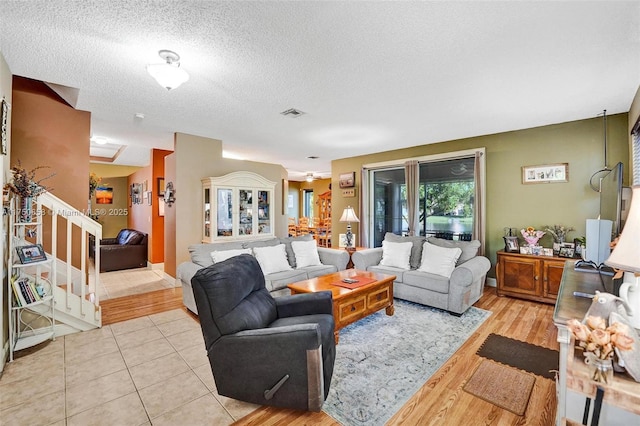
(529, 277)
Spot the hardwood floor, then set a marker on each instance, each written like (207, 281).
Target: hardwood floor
(441, 400)
(140, 305)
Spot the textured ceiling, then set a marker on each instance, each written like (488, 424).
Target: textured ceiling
(370, 76)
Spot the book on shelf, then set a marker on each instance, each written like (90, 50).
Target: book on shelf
(28, 291)
(17, 292)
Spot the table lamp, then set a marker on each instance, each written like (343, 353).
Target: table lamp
(626, 256)
(348, 215)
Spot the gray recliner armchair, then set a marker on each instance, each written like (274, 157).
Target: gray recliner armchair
(264, 350)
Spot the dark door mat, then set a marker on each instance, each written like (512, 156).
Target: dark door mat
(525, 356)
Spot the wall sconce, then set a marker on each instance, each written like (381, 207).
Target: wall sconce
(169, 194)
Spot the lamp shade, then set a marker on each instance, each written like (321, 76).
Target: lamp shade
(348, 215)
(626, 254)
(168, 75)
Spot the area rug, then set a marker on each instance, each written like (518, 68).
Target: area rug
(381, 361)
(525, 356)
(501, 385)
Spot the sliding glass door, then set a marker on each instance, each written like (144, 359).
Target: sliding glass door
(446, 199)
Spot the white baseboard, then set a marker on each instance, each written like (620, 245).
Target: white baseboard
(491, 282)
(155, 266)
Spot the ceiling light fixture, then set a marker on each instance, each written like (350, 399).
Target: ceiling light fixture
(309, 177)
(100, 140)
(168, 75)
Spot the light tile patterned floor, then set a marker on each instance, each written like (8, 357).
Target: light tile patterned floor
(131, 281)
(151, 370)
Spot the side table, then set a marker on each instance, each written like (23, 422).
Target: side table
(624, 392)
(352, 250)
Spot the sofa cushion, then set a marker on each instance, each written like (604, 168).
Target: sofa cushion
(396, 254)
(306, 253)
(416, 250)
(439, 260)
(279, 280)
(427, 281)
(469, 248)
(287, 243)
(389, 270)
(201, 253)
(318, 271)
(221, 255)
(270, 242)
(272, 259)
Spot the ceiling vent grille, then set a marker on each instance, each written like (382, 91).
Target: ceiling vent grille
(292, 112)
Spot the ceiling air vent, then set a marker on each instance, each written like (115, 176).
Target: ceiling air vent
(292, 112)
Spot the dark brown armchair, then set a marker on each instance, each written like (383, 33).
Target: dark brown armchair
(128, 250)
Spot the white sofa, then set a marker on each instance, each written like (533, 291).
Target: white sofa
(332, 260)
(454, 293)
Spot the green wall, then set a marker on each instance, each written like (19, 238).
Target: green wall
(509, 203)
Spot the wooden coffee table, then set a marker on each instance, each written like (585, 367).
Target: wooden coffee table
(352, 304)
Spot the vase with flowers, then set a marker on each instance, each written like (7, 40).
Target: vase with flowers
(599, 343)
(27, 188)
(531, 236)
(559, 234)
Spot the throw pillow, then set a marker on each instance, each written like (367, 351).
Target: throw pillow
(287, 245)
(439, 260)
(396, 255)
(272, 259)
(416, 250)
(469, 248)
(306, 253)
(220, 255)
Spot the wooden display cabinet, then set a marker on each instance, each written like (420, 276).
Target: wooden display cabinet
(529, 277)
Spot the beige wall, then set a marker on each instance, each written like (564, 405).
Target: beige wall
(198, 157)
(5, 92)
(509, 202)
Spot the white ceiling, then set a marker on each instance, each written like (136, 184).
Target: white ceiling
(370, 76)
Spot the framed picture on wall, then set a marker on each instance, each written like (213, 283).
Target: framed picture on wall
(347, 180)
(4, 114)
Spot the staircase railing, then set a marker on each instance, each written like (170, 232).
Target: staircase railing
(71, 271)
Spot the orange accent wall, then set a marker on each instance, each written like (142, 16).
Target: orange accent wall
(46, 131)
(145, 217)
(170, 220)
(157, 221)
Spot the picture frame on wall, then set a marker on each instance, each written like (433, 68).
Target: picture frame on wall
(160, 187)
(347, 180)
(4, 116)
(548, 173)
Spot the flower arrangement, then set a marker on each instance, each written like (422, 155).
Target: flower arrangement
(559, 232)
(599, 340)
(24, 182)
(94, 181)
(531, 236)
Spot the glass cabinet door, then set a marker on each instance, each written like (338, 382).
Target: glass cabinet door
(225, 213)
(264, 214)
(245, 225)
(207, 213)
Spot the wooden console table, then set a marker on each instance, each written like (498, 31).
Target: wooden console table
(624, 392)
(529, 276)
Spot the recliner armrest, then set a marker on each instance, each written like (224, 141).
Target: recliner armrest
(304, 304)
(108, 241)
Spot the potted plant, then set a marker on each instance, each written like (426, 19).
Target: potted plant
(26, 187)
